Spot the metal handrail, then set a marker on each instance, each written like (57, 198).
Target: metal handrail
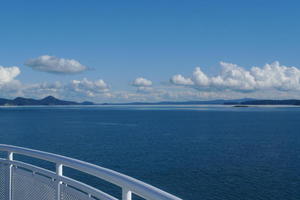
(128, 184)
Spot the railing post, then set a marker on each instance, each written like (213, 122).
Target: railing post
(10, 156)
(59, 172)
(126, 194)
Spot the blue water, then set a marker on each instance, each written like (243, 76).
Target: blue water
(190, 151)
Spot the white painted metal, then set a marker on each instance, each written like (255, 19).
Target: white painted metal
(65, 184)
(126, 194)
(59, 172)
(10, 157)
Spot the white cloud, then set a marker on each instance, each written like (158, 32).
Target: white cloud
(76, 89)
(80, 90)
(9, 87)
(234, 78)
(145, 89)
(56, 65)
(142, 82)
(40, 90)
(180, 80)
(7, 74)
(272, 81)
(143, 85)
(89, 88)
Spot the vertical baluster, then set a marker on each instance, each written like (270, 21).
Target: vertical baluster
(10, 157)
(126, 194)
(59, 172)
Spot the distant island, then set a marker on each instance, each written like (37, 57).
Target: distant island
(294, 102)
(50, 101)
(47, 101)
(235, 102)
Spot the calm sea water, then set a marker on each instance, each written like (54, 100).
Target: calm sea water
(190, 151)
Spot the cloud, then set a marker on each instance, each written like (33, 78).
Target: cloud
(7, 74)
(273, 81)
(143, 85)
(80, 90)
(142, 82)
(9, 86)
(145, 89)
(40, 90)
(234, 78)
(74, 90)
(55, 65)
(180, 80)
(89, 88)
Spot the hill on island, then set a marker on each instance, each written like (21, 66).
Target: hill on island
(47, 101)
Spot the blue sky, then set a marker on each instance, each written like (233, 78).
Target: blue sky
(124, 44)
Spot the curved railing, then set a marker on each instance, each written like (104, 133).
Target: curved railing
(23, 181)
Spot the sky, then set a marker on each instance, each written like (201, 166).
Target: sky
(150, 50)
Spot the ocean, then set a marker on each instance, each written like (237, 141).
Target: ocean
(194, 152)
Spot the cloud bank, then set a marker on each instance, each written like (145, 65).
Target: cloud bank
(273, 81)
(55, 65)
(7, 74)
(234, 78)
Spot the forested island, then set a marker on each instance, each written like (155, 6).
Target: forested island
(50, 100)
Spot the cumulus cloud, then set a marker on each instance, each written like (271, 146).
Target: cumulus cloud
(180, 80)
(55, 65)
(273, 80)
(142, 82)
(75, 89)
(9, 86)
(143, 85)
(80, 90)
(7, 74)
(232, 77)
(90, 88)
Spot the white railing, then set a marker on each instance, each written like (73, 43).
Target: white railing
(22, 177)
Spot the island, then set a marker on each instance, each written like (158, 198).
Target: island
(47, 101)
(52, 101)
